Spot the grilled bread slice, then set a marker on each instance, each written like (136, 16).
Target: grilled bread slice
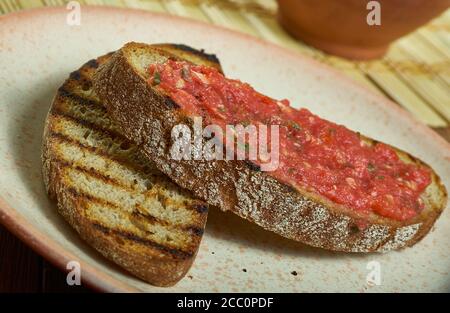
(146, 116)
(116, 199)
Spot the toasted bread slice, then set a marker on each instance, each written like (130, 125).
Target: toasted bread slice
(116, 199)
(146, 116)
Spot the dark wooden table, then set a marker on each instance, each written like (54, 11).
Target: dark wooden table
(22, 270)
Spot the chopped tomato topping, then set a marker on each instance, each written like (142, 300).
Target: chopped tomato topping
(315, 154)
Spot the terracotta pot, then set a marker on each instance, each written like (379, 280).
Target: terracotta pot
(340, 26)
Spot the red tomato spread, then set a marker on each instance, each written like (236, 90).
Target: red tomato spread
(317, 155)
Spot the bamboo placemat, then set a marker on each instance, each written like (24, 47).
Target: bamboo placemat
(415, 73)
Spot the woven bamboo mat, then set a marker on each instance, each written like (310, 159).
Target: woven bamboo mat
(415, 73)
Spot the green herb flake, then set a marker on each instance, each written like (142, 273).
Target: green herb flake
(295, 125)
(380, 177)
(371, 167)
(156, 79)
(185, 73)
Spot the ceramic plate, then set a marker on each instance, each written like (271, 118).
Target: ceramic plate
(37, 52)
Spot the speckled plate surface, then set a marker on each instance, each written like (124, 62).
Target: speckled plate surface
(38, 50)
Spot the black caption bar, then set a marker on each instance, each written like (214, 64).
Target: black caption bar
(207, 302)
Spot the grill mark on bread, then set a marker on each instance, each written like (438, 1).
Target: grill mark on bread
(174, 251)
(170, 103)
(149, 219)
(91, 64)
(253, 166)
(91, 114)
(63, 92)
(91, 198)
(76, 75)
(61, 138)
(200, 208)
(193, 229)
(89, 125)
(179, 253)
(197, 231)
(93, 173)
(201, 53)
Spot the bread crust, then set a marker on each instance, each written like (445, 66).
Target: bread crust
(147, 117)
(155, 264)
